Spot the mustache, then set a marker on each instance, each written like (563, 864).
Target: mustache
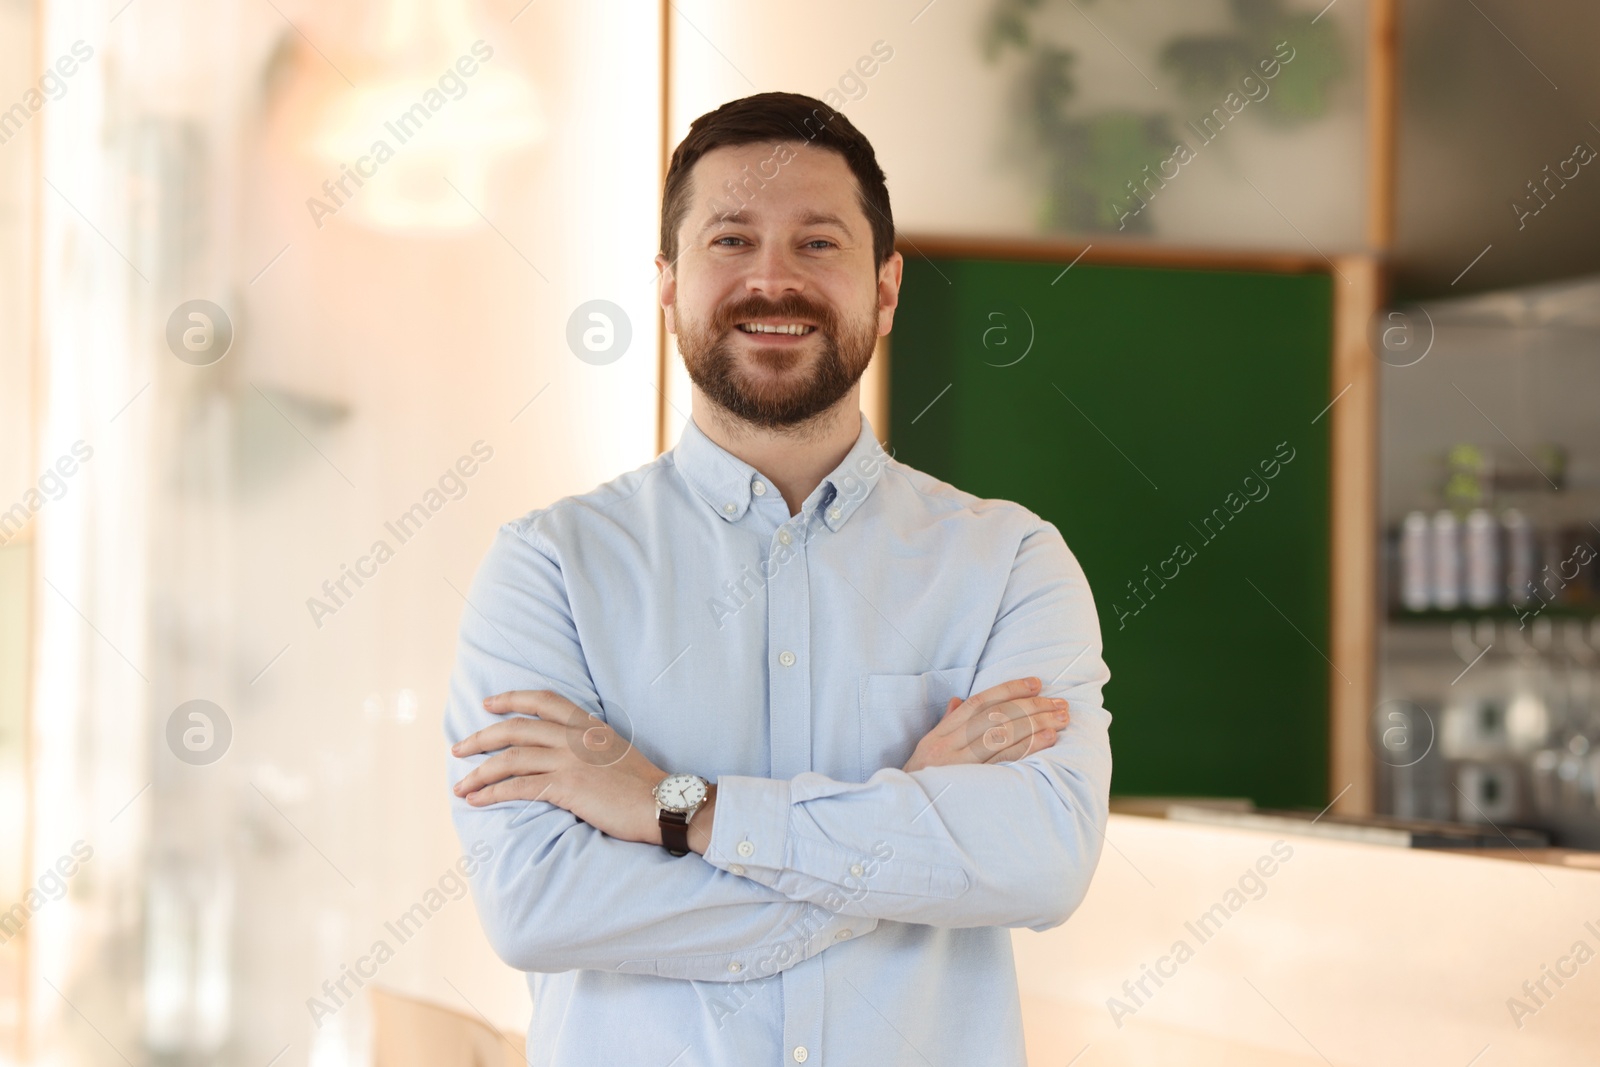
(788, 306)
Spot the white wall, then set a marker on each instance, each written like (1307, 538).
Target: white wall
(370, 353)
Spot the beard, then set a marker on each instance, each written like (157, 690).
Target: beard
(845, 350)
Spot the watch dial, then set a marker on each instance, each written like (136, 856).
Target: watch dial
(681, 792)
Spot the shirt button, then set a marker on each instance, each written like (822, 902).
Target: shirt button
(730, 508)
(842, 934)
(735, 966)
(746, 849)
(759, 488)
(834, 513)
(736, 868)
(800, 1054)
(783, 536)
(856, 869)
(786, 658)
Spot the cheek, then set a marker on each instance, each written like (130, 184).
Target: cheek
(854, 298)
(862, 307)
(700, 292)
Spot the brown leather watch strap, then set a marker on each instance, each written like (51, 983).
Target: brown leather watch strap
(674, 831)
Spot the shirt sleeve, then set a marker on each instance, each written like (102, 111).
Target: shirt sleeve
(1008, 844)
(556, 894)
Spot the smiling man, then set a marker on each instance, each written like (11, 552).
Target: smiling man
(771, 736)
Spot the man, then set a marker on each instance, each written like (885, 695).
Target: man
(832, 761)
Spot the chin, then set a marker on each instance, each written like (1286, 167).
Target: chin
(776, 362)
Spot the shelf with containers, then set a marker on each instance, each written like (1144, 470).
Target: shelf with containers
(1488, 706)
(1489, 539)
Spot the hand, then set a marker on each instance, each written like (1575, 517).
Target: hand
(568, 757)
(1002, 723)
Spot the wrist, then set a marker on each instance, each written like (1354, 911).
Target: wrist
(700, 822)
(677, 824)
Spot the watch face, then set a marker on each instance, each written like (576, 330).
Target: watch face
(680, 792)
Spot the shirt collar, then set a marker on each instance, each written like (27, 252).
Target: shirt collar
(725, 482)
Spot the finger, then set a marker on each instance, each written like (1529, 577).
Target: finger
(976, 720)
(960, 714)
(1016, 689)
(1014, 709)
(507, 764)
(955, 702)
(1005, 724)
(519, 731)
(544, 703)
(1050, 719)
(526, 701)
(1048, 726)
(1037, 741)
(526, 787)
(985, 744)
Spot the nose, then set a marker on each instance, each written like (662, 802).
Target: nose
(775, 270)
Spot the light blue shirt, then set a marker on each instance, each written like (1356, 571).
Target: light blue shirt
(846, 911)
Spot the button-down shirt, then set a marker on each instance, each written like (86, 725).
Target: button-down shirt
(845, 911)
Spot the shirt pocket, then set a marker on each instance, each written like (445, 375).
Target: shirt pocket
(898, 710)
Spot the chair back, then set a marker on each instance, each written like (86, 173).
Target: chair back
(408, 1032)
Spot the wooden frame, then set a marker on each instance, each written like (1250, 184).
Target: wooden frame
(1353, 540)
(1383, 88)
(1107, 252)
(662, 369)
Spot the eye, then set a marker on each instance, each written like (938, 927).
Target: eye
(820, 242)
(720, 240)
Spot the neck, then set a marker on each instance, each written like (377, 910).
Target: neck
(794, 459)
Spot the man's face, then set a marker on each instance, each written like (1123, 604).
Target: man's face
(774, 298)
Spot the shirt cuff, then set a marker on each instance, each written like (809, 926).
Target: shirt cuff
(752, 824)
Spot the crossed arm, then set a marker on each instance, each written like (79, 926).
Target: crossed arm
(996, 820)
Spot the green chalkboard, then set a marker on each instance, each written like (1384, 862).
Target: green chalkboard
(1141, 409)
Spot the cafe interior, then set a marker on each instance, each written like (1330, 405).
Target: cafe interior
(258, 317)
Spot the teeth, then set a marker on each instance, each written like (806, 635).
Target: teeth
(796, 328)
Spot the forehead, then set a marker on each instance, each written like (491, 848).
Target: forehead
(766, 188)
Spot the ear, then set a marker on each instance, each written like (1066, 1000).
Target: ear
(667, 281)
(889, 291)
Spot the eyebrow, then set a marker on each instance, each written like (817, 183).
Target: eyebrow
(744, 218)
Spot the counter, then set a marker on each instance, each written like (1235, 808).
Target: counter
(1207, 946)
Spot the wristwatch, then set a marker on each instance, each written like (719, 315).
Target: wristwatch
(678, 797)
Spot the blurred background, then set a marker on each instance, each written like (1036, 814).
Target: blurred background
(275, 275)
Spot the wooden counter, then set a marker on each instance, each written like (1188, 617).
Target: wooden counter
(1201, 946)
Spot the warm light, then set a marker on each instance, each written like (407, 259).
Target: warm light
(407, 183)
(412, 144)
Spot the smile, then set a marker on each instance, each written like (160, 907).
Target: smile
(798, 329)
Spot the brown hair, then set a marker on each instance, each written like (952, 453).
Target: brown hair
(777, 117)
